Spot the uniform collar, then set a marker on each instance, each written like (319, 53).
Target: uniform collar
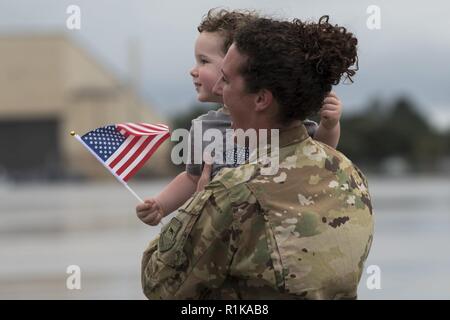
(292, 135)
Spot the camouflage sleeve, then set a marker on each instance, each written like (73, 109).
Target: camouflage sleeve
(191, 256)
(255, 260)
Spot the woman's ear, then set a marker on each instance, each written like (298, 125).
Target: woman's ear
(263, 99)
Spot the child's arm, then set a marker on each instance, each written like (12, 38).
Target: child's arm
(329, 130)
(168, 200)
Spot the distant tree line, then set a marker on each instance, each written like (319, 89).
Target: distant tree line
(397, 130)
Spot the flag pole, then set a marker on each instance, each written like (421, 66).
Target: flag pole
(73, 134)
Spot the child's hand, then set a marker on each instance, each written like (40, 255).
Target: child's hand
(331, 110)
(150, 212)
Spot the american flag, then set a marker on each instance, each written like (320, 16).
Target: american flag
(125, 147)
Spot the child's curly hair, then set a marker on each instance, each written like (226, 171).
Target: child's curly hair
(226, 23)
(297, 61)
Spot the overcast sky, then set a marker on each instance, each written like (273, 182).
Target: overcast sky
(409, 55)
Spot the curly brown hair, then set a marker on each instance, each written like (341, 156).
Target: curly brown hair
(297, 61)
(226, 23)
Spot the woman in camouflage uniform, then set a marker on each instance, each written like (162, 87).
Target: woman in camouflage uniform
(303, 232)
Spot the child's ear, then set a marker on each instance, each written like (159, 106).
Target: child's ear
(263, 99)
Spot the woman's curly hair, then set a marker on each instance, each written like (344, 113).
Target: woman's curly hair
(297, 61)
(226, 23)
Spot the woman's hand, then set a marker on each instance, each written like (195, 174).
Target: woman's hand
(205, 178)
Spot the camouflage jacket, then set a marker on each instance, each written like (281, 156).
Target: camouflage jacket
(303, 233)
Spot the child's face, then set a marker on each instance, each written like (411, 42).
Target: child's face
(206, 72)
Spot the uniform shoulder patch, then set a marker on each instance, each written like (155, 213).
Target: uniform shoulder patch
(168, 236)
